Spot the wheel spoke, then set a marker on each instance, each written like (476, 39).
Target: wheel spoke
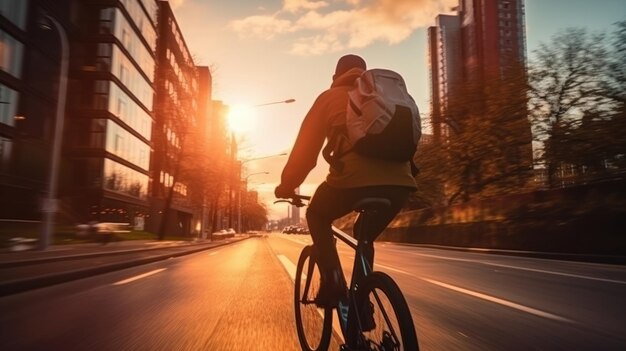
(313, 324)
(386, 316)
(392, 326)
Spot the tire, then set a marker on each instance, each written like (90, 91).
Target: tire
(397, 331)
(312, 323)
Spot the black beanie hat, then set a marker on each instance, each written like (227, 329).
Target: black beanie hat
(348, 62)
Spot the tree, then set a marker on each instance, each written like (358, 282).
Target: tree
(577, 87)
(430, 160)
(487, 150)
(254, 214)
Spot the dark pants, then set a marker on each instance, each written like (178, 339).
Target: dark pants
(329, 203)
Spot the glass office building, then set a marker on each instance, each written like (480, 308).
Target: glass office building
(112, 97)
(107, 141)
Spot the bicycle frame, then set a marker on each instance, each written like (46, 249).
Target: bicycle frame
(363, 266)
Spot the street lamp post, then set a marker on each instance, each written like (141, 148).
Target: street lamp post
(50, 203)
(288, 101)
(232, 157)
(239, 198)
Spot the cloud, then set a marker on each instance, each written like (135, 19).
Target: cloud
(264, 26)
(176, 3)
(347, 24)
(294, 6)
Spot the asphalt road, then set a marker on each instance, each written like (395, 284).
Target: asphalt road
(239, 297)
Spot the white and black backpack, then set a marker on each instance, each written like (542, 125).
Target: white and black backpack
(382, 119)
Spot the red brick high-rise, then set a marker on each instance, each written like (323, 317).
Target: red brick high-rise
(484, 41)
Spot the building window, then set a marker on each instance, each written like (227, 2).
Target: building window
(14, 11)
(108, 96)
(8, 105)
(122, 179)
(10, 55)
(115, 23)
(106, 21)
(140, 18)
(125, 145)
(5, 153)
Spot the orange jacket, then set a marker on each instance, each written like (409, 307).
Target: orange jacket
(329, 109)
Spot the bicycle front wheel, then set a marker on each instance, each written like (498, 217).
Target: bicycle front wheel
(313, 323)
(385, 319)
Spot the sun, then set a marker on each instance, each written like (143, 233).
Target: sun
(241, 118)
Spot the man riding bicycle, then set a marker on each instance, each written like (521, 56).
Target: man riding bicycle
(352, 177)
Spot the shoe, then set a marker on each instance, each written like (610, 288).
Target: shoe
(332, 290)
(366, 316)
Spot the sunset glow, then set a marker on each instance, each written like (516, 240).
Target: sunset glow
(241, 119)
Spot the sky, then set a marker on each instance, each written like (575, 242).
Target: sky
(263, 51)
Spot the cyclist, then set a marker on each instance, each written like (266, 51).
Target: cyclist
(351, 177)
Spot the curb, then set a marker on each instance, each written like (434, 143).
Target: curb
(605, 259)
(21, 285)
(18, 263)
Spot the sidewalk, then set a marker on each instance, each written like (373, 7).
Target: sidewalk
(26, 270)
(55, 252)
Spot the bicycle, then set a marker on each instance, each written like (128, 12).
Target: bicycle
(375, 315)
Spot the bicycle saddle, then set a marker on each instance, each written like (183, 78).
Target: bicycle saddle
(372, 204)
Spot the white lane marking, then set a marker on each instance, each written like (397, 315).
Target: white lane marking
(213, 253)
(506, 303)
(297, 240)
(289, 266)
(291, 270)
(125, 281)
(392, 269)
(523, 268)
(484, 296)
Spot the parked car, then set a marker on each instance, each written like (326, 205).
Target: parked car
(222, 234)
(287, 230)
(294, 229)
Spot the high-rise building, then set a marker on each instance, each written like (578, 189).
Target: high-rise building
(484, 41)
(175, 129)
(23, 186)
(108, 112)
(112, 91)
(446, 66)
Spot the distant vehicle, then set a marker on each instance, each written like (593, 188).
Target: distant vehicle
(223, 234)
(294, 229)
(101, 231)
(286, 230)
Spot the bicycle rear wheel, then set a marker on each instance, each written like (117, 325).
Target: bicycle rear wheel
(392, 327)
(312, 323)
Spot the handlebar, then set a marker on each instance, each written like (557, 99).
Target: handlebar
(295, 200)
